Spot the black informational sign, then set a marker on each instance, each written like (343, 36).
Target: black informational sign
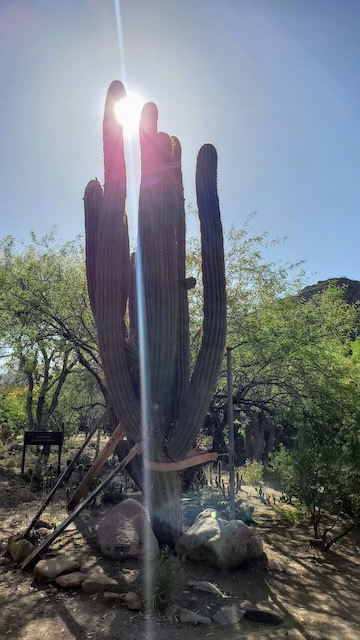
(40, 439)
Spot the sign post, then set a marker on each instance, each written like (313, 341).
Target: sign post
(230, 416)
(41, 438)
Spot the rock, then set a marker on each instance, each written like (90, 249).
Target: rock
(100, 583)
(47, 570)
(71, 580)
(121, 533)
(12, 539)
(185, 616)
(24, 495)
(228, 615)
(350, 289)
(206, 587)
(132, 601)
(4, 562)
(110, 596)
(246, 604)
(259, 615)
(20, 549)
(43, 532)
(220, 543)
(170, 612)
(42, 524)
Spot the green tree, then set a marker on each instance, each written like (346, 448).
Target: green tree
(323, 468)
(13, 416)
(46, 327)
(283, 347)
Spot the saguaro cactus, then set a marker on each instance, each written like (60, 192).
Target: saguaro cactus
(179, 398)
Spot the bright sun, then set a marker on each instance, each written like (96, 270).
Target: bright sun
(128, 112)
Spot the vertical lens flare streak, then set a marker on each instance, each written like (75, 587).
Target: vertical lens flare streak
(130, 151)
(143, 357)
(143, 352)
(145, 413)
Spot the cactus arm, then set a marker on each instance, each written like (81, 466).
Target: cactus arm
(133, 313)
(208, 362)
(114, 161)
(157, 243)
(182, 360)
(108, 231)
(93, 199)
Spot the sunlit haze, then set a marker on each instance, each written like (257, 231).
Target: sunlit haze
(272, 84)
(128, 112)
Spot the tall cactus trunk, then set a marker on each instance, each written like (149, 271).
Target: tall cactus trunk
(177, 401)
(166, 508)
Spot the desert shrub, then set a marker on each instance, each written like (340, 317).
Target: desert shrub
(71, 443)
(167, 572)
(252, 472)
(296, 515)
(214, 498)
(323, 472)
(281, 464)
(15, 447)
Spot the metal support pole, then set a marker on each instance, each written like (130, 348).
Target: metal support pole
(230, 409)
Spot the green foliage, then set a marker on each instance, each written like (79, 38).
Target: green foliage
(13, 417)
(46, 329)
(167, 575)
(281, 463)
(323, 470)
(252, 472)
(296, 515)
(285, 349)
(214, 498)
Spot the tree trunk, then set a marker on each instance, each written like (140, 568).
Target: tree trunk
(258, 437)
(29, 402)
(255, 437)
(249, 448)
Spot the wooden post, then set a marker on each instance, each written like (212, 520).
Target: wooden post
(59, 459)
(34, 555)
(97, 466)
(66, 473)
(230, 409)
(23, 459)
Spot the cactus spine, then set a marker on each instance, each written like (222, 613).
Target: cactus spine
(179, 399)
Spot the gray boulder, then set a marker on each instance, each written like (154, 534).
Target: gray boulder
(99, 583)
(121, 534)
(48, 570)
(186, 616)
(71, 580)
(220, 543)
(20, 549)
(228, 615)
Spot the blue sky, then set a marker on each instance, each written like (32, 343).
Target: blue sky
(274, 84)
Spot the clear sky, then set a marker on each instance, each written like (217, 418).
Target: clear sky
(274, 84)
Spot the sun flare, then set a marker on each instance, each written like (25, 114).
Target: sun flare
(128, 112)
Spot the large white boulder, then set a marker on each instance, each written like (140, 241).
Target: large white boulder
(121, 534)
(220, 543)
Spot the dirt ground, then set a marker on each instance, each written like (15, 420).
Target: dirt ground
(317, 595)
